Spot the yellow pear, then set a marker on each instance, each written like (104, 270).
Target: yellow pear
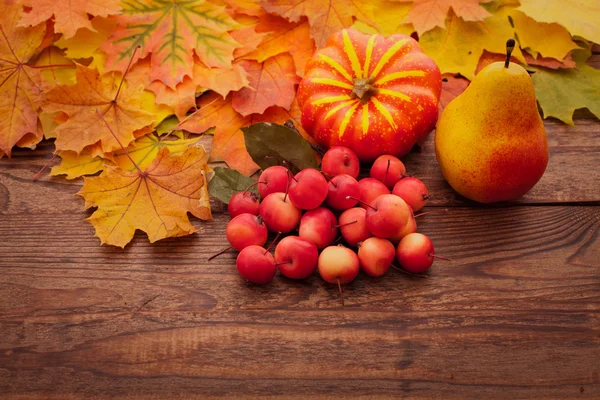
(490, 141)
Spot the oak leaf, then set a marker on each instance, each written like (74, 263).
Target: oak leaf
(20, 82)
(69, 16)
(272, 82)
(171, 32)
(427, 14)
(581, 17)
(121, 106)
(325, 18)
(155, 200)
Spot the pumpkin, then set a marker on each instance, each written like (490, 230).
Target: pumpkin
(374, 94)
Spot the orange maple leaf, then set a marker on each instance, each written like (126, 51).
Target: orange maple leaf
(272, 82)
(69, 15)
(427, 14)
(283, 36)
(20, 83)
(171, 31)
(324, 18)
(228, 141)
(119, 103)
(155, 200)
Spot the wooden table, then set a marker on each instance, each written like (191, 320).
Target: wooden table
(516, 314)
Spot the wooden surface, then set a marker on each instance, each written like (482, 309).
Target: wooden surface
(516, 314)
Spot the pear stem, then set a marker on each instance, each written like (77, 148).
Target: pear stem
(510, 45)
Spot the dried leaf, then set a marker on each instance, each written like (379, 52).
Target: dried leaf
(427, 14)
(226, 182)
(155, 201)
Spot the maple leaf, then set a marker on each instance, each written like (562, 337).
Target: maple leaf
(389, 17)
(74, 165)
(561, 92)
(451, 88)
(119, 101)
(457, 48)
(155, 200)
(487, 58)
(324, 18)
(427, 14)
(68, 16)
(580, 18)
(272, 83)
(20, 82)
(283, 36)
(172, 31)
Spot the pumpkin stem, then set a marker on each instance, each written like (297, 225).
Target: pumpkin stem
(364, 89)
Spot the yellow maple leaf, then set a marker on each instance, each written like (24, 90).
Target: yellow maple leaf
(20, 82)
(325, 18)
(389, 19)
(427, 14)
(74, 165)
(580, 17)
(155, 200)
(120, 103)
(457, 48)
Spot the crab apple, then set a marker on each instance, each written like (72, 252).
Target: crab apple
(278, 212)
(410, 227)
(243, 202)
(376, 255)
(273, 180)
(256, 264)
(338, 264)
(387, 215)
(308, 189)
(340, 160)
(370, 189)
(388, 169)
(353, 226)
(245, 230)
(340, 187)
(319, 226)
(415, 253)
(413, 192)
(296, 257)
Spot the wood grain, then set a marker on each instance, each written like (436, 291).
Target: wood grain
(516, 314)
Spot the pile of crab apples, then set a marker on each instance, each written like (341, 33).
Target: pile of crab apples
(374, 215)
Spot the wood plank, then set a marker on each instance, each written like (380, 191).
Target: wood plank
(515, 314)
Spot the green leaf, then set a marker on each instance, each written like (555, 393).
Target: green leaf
(271, 144)
(226, 182)
(561, 92)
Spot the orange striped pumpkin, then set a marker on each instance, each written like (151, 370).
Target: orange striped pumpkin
(374, 94)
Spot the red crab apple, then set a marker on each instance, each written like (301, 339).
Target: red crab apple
(245, 230)
(415, 253)
(308, 189)
(410, 227)
(278, 212)
(273, 180)
(243, 202)
(387, 215)
(338, 265)
(340, 160)
(387, 169)
(319, 226)
(413, 192)
(296, 257)
(256, 264)
(340, 187)
(353, 226)
(376, 255)
(370, 189)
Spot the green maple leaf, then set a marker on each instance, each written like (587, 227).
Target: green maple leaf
(561, 92)
(171, 30)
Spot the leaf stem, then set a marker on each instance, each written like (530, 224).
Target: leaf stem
(118, 141)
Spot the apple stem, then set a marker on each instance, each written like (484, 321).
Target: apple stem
(510, 45)
(36, 176)
(219, 253)
(408, 273)
(271, 245)
(386, 170)
(361, 202)
(347, 223)
(287, 186)
(430, 212)
(283, 262)
(251, 186)
(341, 291)
(336, 240)
(327, 176)
(440, 257)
